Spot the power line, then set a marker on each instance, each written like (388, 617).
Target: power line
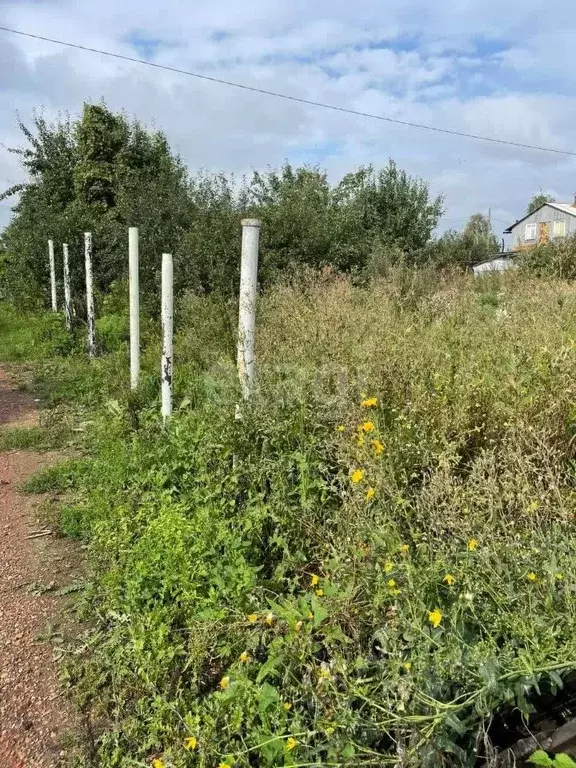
(276, 94)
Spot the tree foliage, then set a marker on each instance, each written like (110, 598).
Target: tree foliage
(102, 173)
(537, 200)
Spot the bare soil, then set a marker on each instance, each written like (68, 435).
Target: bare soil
(36, 720)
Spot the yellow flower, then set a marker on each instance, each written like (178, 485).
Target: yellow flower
(298, 626)
(390, 583)
(341, 428)
(191, 742)
(407, 665)
(158, 763)
(449, 579)
(244, 658)
(368, 426)
(370, 493)
(225, 682)
(559, 576)
(224, 765)
(360, 442)
(472, 545)
(531, 576)
(291, 743)
(378, 447)
(310, 615)
(357, 475)
(404, 549)
(388, 566)
(324, 673)
(320, 592)
(252, 618)
(435, 617)
(287, 706)
(269, 619)
(369, 402)
(314, 580)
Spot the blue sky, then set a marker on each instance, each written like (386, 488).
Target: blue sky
(479, 66)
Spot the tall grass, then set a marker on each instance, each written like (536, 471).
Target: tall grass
(369, 563)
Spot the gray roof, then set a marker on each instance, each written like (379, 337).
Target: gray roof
(564, 207)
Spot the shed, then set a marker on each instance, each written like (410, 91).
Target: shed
(497, 263)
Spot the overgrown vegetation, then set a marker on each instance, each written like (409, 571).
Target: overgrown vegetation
(102, 173)
(556, 258)
(363, 569)
(377, 556)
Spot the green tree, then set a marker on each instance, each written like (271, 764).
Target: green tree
(102, 173)
(297, 213)
(537, 200)
(99, 174)
(474, 243)
(478, 238)
(385, 208)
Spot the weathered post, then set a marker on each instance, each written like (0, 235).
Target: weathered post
(52, 275)
(133, 280)
(167, 365)
(67, 292)
(89, 294)
(247, 307)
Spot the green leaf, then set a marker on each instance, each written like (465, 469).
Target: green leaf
(540, 758)
(349, 751)
(564, 761)
(267, 696)
(320, 613)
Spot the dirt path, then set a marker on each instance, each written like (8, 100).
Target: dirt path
(35, 717)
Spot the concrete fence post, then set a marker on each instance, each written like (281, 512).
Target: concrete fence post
(89, 294)
(52, 275)
(247, 304)
(134, 288)
(67, 291)
(167, 365)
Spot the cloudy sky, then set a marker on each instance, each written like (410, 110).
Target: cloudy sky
(503, 69)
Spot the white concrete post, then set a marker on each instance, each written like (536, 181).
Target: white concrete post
(167, 365)
(52, 275)
(89, 294)
(133, 281)
(67, 292)
(247, 307)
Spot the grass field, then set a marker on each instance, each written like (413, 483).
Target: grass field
(363, 569)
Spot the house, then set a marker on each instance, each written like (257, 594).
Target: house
(551, 221)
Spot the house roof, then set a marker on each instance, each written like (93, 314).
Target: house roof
(569, 208)
(502, 255)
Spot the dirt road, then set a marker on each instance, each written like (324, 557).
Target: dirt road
(35, 717)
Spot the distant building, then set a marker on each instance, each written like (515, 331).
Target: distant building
(551, 221)
(497, 263)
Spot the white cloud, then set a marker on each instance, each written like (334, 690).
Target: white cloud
(455, 65)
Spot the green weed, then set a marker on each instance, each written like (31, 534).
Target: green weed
(21, 438)
(58, 478)
(362, 569)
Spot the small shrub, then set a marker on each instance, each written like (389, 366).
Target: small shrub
(554, 259)
(112, 332)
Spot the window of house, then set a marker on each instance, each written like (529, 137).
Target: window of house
(530, 232)
(559, 229)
